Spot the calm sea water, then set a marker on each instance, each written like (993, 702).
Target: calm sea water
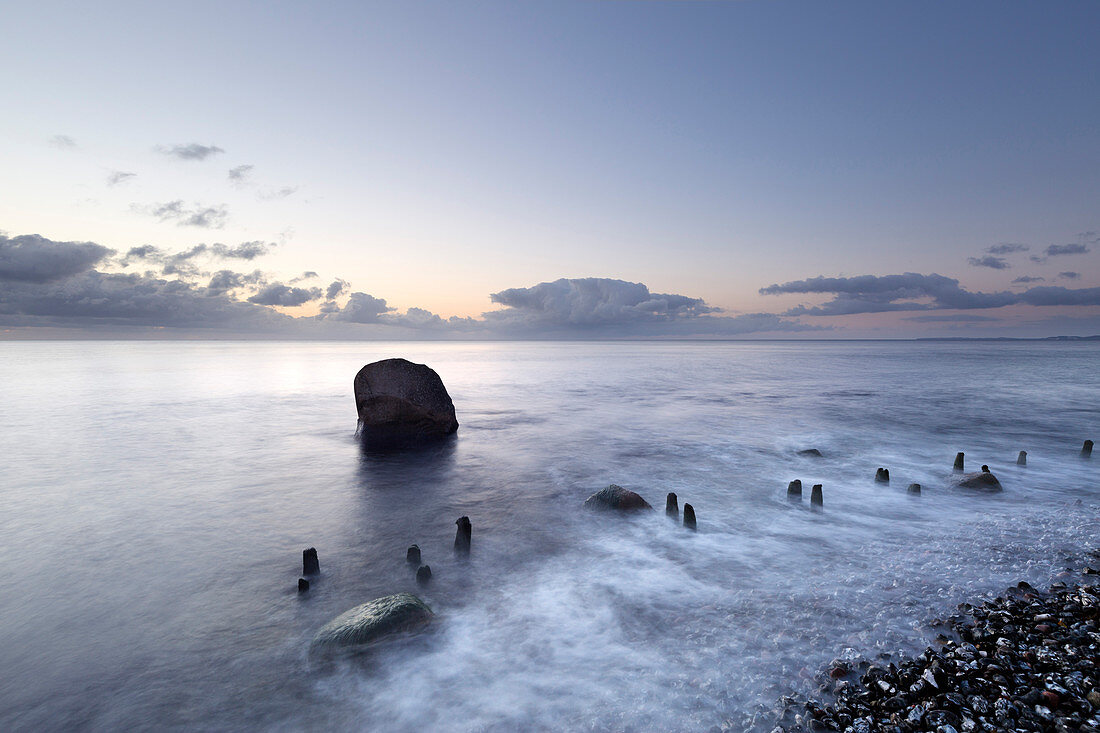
(156, 498)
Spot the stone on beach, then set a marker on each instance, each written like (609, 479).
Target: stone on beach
(983, 480)
(617, 498)
(400, 402)
(374, 620)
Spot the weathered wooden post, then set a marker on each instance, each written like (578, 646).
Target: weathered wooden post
(959, 462)
(689, 516)
(1021, 460)
(882, 476)
(1086, 450)
(310, 564)
(672, 506)
(794, 491)
(463, 535)
(816, 498)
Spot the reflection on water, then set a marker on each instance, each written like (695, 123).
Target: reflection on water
(158, 496)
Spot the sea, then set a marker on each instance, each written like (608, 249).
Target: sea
(156, 497)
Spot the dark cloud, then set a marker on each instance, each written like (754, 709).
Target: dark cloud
(284, 295)
(997, 263)
(361, 308)
(225, 280)
(914, 292)
(241, 174)
(98, 299)
(601, 307)
(197, 215)
(32, 258)
(243, 251)
(1057, 250)
(1006, 248)
(1028, 279)
(190, 151)
(117, 177)
(1037, 259)
(594, 302)
(957, 318)
(1070, 275)
(335, 288)
(63, 142)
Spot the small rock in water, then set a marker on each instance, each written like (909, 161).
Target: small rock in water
(914, 488)
(959, 463)
(423, 574)
(983, 481)
(689, 516)
(463, 536)
(310, 564)
(1021, 460)
(374, 620)
(303, 585)
(1086, 449)
(811, 453)
(672, 506)
(794, 490)
(816, 498)
(412, 555)
(616, 498)
(882, 476)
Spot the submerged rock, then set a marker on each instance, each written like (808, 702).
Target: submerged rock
(616, 498)
(811, 453)
(984, 481)
(374, 620)
(401, 402)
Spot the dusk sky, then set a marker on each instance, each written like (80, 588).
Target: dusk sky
(550, 169)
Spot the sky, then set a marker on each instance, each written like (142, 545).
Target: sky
(554, 169)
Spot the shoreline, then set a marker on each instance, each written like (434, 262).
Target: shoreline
(1026, 660)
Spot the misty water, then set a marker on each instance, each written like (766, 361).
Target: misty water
(156, 498)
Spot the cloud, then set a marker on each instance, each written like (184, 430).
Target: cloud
(997, 263)
(241, 173)
(63, 142)
(1028, 279)
(190, 151)
(593, 302)
(335, 288)
(1057, 250)
(1006, 248)
(284, 295)
(243, 251)
(361, 308)
(276, 194)
(914, 292)
(32, 258)
(197, 215)
(225, 280)
(95, 299)
(307, 275)
(1070, 275)
(117, 177)
(956, 318)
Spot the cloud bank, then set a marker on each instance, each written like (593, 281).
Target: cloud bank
(913, 292)
(190, 151)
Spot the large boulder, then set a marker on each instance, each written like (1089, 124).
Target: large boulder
(374, 620)
(616, 498)
(401, 402)
(983, 481)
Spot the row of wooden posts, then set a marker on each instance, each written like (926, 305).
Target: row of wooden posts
(463, 535)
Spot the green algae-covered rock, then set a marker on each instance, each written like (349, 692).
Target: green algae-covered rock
(374, 620)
